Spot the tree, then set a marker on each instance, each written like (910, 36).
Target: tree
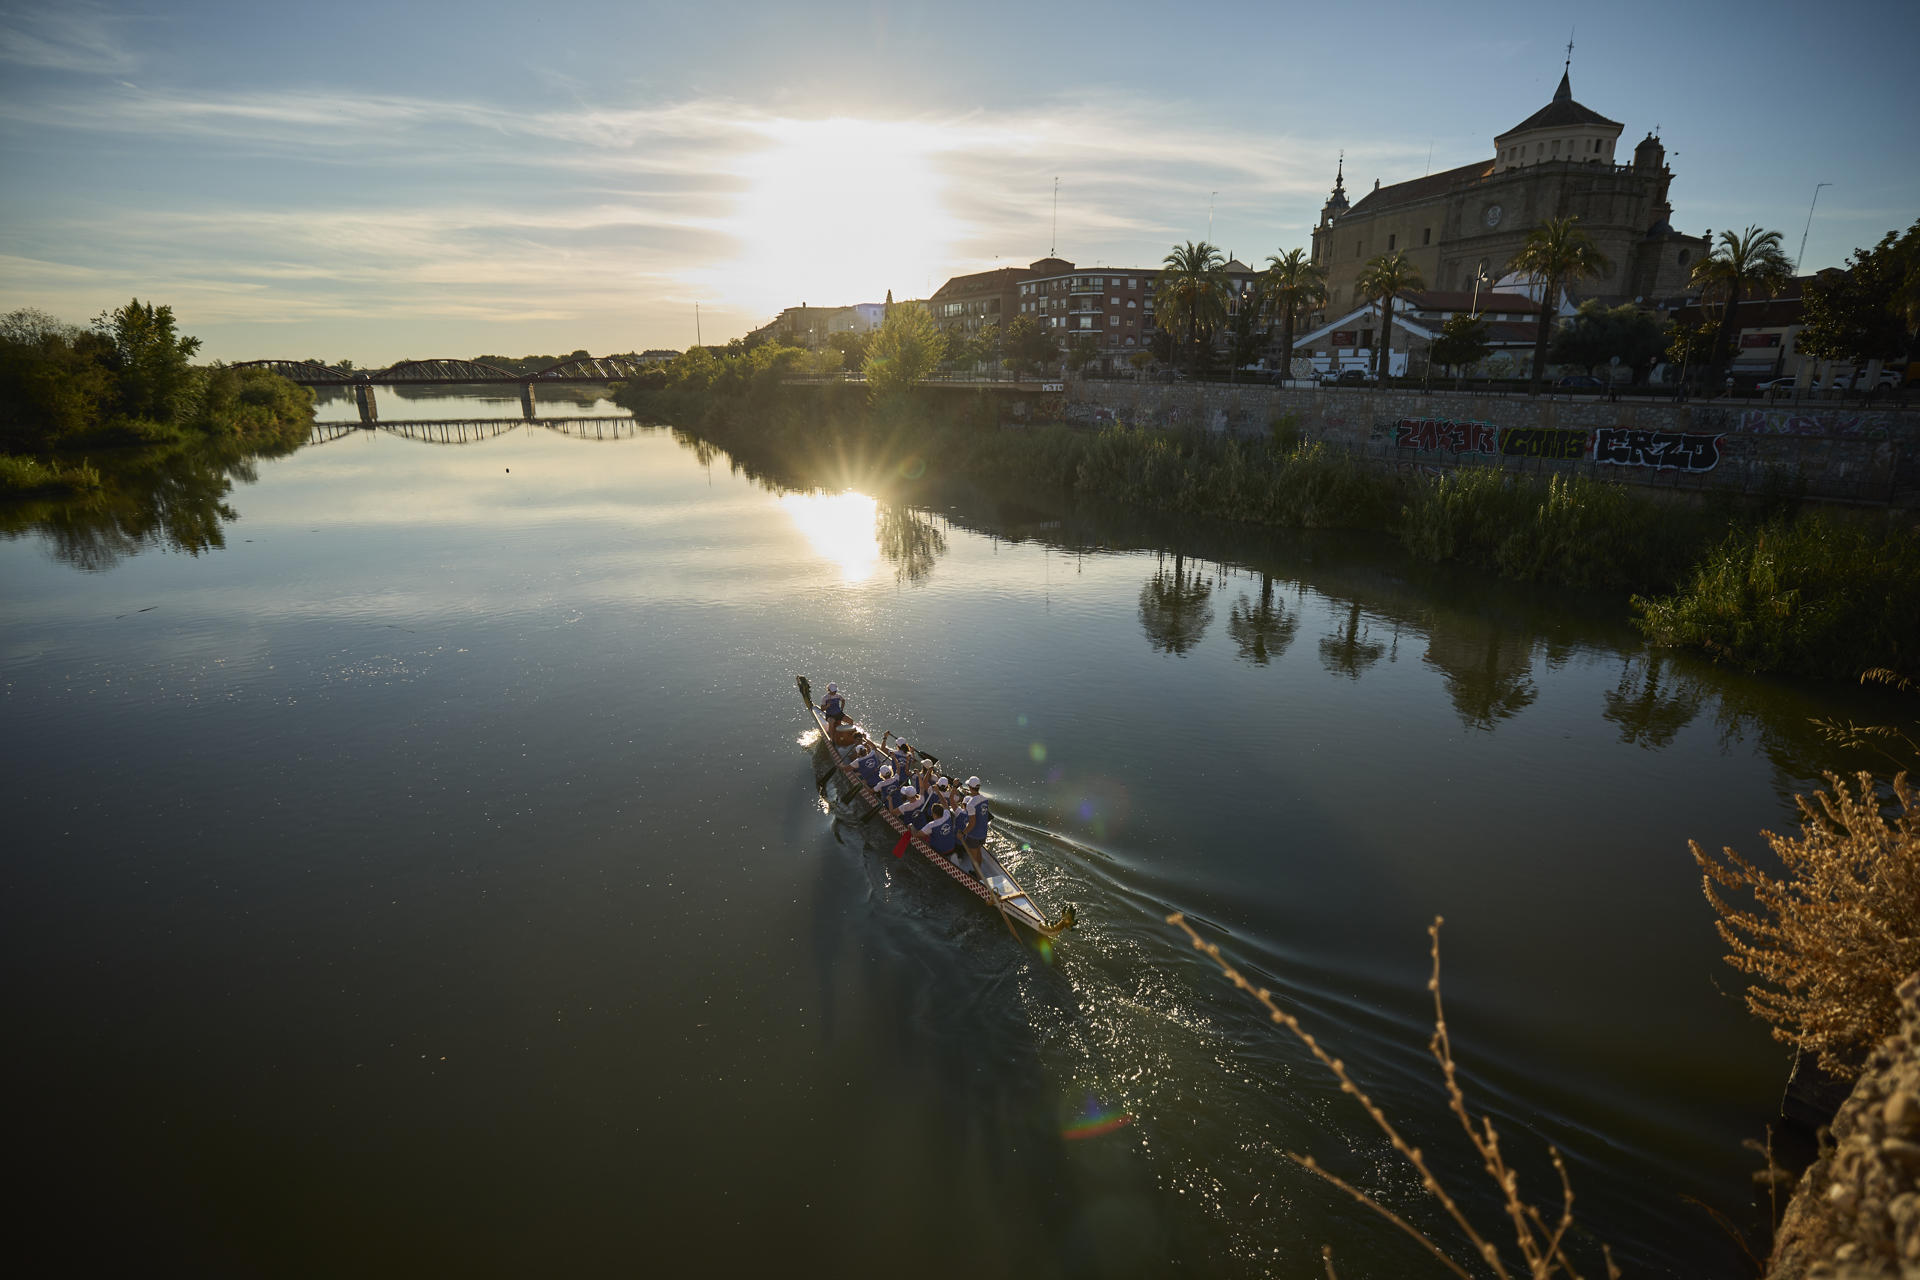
(1029, 346)
(1192, 292)
(904, 351)
(987, 344)
(1462, 341)
(1264, 630)
(1870, 311)
(150, 363)
(1293, 285)
(1140, 360)
(1082, 352)
(1557, 253)
(1739, 264)
(1176, 608)
(851, 346)
(1383, 279)
(1598, 333)
(1249, 324)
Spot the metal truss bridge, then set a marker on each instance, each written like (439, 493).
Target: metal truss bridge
(476, 430)
(448, 372)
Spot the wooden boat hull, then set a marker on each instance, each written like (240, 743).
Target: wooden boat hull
(998, 889)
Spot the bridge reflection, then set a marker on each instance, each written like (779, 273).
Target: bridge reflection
(477, 430)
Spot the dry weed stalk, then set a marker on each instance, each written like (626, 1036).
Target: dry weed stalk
(1831, 939)
(1541, 1247)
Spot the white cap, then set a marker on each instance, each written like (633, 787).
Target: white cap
(973, 783)
(886, 771)
(943, 784)
(909, 791)
(832, 688)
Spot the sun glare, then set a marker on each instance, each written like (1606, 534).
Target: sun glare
(840, 527)
(836, 212)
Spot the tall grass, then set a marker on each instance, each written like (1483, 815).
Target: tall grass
(1820, 594)
(24, 475)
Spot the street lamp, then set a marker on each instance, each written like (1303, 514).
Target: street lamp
(1480, 277)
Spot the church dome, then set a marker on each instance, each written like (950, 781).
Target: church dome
(1649, 154)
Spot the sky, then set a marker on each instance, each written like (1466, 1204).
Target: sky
(377, 181)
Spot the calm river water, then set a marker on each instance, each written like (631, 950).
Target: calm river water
(417, 867)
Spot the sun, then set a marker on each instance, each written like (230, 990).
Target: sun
(836, 212)
(840, 528)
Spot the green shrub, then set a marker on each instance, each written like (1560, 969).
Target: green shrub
(22, 475)
(1819, 595)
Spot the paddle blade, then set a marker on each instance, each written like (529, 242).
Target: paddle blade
(900, 848)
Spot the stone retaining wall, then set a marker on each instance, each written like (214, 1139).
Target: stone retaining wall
(1841, 451)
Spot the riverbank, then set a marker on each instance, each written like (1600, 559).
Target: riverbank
(1760, 579)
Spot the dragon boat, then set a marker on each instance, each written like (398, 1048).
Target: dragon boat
(995, 886)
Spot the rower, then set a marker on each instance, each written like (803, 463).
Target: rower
(910, 805)
(867, 764)
(938, 830)
(833, 707)
(975, 820)
(906, 761)
(885, 785)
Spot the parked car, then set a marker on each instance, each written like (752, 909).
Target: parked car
(1856, 380)
(1347, 378)
(1580, 382)
(1777, 384)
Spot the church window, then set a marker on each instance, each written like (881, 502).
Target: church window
(1356, 248)
(1684, 255)
(1426, 235)
(1390, 240)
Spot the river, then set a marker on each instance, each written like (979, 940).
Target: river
(420, 867)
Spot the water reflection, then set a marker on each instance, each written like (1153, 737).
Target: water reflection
(173, 500)
(910, 541)
(1176, 607)
(840, 527)
(1649, 713)
(1487, 668)
(1263, 630)
(1351, 649)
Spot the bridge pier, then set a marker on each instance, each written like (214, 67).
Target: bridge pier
(363, 398)
(526, 401)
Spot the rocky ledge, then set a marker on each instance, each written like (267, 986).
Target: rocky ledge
(1855, 1214)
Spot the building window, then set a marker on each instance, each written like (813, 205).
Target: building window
(1113, 322)
(1086, 322)
(1356, 248)
(1133, 284)
(1390, 240)
(1113, 301)
(1130, 304)
(1684, 255)
(1426, 235)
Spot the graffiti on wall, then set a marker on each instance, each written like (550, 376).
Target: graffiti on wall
(1850, 424)
(1444, 435)
(1660, 450)
(1543, 442)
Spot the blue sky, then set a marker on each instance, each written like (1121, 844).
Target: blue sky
(372, 181)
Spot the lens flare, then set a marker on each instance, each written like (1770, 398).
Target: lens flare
(1094, 1121)
(1039, 752)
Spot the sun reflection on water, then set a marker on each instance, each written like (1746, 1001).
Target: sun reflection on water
(840, 527)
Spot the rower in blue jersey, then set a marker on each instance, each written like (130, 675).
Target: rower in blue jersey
(906, 761)
(867, 764)
(910, 804)
(833, 706)
(975, 818)
(938, 829)
(886, 786)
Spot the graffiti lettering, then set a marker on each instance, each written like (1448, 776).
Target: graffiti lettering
(1444, 435)
(1661, 450)
(1543, 442)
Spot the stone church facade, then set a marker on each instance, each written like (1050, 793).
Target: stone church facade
(1469, 222)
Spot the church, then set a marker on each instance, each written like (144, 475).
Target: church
(1463, 226)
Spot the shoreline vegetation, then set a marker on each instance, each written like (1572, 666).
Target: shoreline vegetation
(1766, 583)
(79, 407)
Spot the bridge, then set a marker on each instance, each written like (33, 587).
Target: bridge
(448, 372)
(476, 430)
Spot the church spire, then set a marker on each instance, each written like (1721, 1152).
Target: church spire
(1565, 92)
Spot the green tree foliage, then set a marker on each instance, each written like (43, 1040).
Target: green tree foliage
(1462, 342)
(1689, 346)
(905, 350)
(1871, 311)
(1082, 352)
(1191, 294)
(1598, 333)
(1558, 253)
(151, 364)
(1030, 347)
(1249, 328)
(851, 346)
(1383, 279)
(1740, 266)
(1293, 286)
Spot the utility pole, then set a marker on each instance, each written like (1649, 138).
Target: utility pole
(696, 326)
(1809, 227)
(1054, 248)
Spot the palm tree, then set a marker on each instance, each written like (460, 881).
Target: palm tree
(1263, 631)
(1739, 263)
(1384, 278)
(1193, 290)
(1293, 285)
(1556, 253)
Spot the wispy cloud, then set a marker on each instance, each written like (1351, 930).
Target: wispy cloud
(72, 36)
